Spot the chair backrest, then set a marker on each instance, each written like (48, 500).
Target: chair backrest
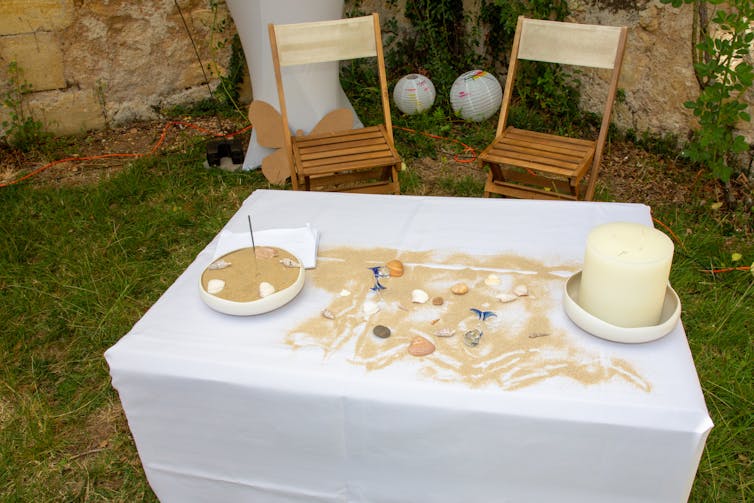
(565, 43)
(326, 41)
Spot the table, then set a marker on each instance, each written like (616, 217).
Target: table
(223, 408)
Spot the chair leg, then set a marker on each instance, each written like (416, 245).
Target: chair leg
(488, 184)
(396, 182)
(494, 173)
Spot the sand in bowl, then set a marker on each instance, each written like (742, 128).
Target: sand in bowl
(245, 272)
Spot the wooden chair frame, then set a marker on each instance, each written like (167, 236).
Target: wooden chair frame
(527, 164)
(358, 160)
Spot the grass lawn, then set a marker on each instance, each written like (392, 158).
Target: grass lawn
(81, 263)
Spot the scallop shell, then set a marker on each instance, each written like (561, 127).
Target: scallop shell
(419, 296)
(507, 297)
(445, 332)
(220, 264)
(492, 280)
(521, 290)
(215, 286)
(395, 267)
(265, 252)
(420, 346)
(289, 263)
(459, 288)
(266, 289)
(369, 307)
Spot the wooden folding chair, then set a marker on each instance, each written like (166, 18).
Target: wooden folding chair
(358, 160)
(528, 164)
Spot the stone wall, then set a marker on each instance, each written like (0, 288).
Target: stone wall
(92, 63)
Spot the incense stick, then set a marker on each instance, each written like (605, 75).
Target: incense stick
(251, 231)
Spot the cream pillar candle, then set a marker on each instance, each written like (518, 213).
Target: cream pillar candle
(625, 275)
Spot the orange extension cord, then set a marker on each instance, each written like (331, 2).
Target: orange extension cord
(126, 155)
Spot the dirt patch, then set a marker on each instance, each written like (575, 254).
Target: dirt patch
(88, 158)
(628, 174)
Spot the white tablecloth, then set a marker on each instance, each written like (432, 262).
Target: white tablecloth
(221, 409)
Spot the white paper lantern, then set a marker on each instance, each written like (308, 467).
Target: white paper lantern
(476, 96)
(414, 94)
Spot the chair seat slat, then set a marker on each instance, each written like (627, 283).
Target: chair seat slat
(346, 165)
(531, 150)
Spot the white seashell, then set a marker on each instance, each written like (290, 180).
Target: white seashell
(492, 280)
(289, 263)
(328, 314)
(266, 289)
(215, 286)
(507, 297)
(521, 290)
(445, 332)
(419, 296)
(345, 293)
(220, 264)
(369, 307)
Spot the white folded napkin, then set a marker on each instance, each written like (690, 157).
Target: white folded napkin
(301, 242)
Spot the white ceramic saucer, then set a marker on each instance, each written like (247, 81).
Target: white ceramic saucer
(671, 313)
(259, 306)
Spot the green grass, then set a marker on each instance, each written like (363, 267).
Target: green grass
(80, 265)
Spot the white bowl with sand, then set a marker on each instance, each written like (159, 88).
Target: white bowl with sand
(240, 281)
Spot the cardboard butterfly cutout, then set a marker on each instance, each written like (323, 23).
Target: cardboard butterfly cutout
(268, 124)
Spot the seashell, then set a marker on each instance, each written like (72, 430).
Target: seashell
(521, 290)
(344, 293)
(492, 280)
(220, 264)
(420, 346)
(215, 286)
(289, 263)
(507, 297)
(395, 267)
(369, 307)
(326, 313)
(266, 289)
(419, 296)
(445, 332)
(438, 301)
(459, 288)
(265, 252)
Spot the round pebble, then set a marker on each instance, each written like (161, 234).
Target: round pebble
(437, 301)
(459, 288)
(381, 331)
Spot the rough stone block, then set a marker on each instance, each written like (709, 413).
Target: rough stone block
(39, 57)
(26, 16)
(68, 112)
